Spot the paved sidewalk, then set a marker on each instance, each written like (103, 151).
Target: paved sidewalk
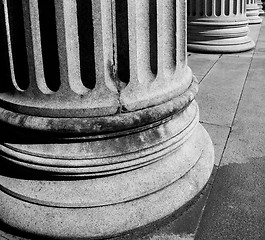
(232, 107)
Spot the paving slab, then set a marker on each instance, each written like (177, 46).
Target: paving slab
(219, 135)
(247, 139)
(260, 50)
(201, 64)
(220, 90)
(199, 77)
(235, 209)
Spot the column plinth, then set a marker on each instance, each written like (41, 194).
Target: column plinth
(103, 129)
(218, 26)
(252, 11)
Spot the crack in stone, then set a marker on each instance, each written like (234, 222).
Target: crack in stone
(113, 66)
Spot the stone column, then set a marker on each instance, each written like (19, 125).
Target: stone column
(260, 4)
(218, 26)
(97, 102)
(253, 12)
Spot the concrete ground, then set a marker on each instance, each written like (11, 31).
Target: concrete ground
(232, 104)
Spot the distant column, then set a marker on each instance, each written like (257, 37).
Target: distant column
(218, 26)
(103, 132)
(260, 4)
(253, 12)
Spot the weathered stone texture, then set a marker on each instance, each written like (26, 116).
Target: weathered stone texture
(103, 132)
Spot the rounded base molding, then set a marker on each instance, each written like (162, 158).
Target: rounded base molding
(219, 37)
(56, 208)
(261, 12)
(222, 48)
(252, 13)
(254, 20)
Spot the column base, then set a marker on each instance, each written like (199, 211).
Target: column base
(203, 47)
(91, 208)
(252, 13)
(261, 12)
(254, 20)
(219, 37)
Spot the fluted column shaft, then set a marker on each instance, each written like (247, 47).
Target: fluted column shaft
(103, 129)
(63, 82)
(218, 26)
